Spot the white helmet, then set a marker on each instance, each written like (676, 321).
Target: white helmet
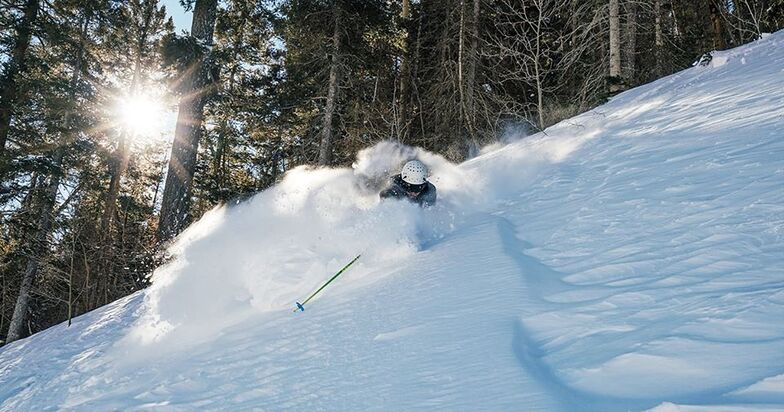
(414, 172)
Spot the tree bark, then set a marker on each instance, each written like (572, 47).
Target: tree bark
(461, 62)
(538, 69)
(615, 46)
(70, 281)
(631, 42)
(717, 25)
(182, 162)
(16, 66)
(658, 37)
(677, 29)
(466, 69)
(325, 150)
(470, 75)
(404, 97)
(119, 166)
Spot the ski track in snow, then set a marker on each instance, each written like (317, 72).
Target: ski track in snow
(632, 258)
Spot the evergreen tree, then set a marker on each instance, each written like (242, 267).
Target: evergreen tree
(76, 21)
(340, 70)
(197, 80)
(15, 67)
(244, 147)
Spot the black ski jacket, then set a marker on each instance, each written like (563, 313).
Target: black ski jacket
(424, 195)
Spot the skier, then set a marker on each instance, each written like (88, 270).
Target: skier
(411, 184)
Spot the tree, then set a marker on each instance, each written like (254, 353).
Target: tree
(528, 38)
(335, 74)
(717, 25)
(44, 198)
(468, 61)
(746, 20)
(196, 85)
(16, 66)
(244, 148)
(337, 90)
(658, 36)
(406, 56)
(447, 77)
(53, 241)
(630, 43)
(615, 80)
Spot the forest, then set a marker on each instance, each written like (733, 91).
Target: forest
(94, 185)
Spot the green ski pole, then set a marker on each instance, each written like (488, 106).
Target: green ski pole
(301, 306)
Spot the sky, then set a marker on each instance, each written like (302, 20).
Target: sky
(182, 19)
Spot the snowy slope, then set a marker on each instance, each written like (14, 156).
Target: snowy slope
(630, 258)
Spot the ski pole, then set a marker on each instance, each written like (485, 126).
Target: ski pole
(301, 306)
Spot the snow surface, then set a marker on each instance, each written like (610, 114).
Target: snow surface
(630, 258)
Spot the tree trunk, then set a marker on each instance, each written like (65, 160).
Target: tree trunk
(119, 166)
(404, 97)
(415, 72)
(16, 66)
(325, 151)
(658, 37)
(461, 63)
(717, 25)
(466, 69)
(538, 69)
(70, 281)
(676, 25)
(631, 42)
(182, 162)
(37, 246)
(470, 75)
(4, 292)
(36, 250)
(615, 47)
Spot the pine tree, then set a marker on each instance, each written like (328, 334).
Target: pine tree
(243, 148)
(16, 66)
(77, 20)
(196, 85)
(333, 88)
(335, 104)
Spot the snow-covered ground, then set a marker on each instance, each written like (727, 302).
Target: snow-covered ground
(631, 258)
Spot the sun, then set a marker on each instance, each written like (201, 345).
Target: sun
(141, 115)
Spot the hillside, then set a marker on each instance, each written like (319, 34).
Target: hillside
(626, 259)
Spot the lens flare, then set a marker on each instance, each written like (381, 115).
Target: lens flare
(141, 115)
